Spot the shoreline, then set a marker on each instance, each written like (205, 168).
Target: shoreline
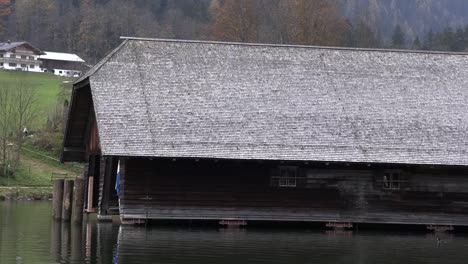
(25, 193)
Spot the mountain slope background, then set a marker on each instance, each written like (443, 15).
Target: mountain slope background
(416, 17)
(92, 28)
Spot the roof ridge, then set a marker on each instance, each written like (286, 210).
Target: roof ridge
(293, 46)
(100, 63)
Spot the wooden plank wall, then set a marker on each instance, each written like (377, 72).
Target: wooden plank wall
(107, 197)
(78, 125)
(206, 189)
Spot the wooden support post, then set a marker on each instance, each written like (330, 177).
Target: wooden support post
(123, 172)
(105, 185)
(90, 193)
(57, 200)
(67, 200)
(78, 202)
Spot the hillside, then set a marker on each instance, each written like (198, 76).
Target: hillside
(47, 87)
(38, 157)
(417, 17)
(92, 28)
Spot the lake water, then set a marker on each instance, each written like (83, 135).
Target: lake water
(27, 235)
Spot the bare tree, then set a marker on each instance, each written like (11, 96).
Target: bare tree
(17, 111)
(6, 113)
(316, 22)
(235, 20)
(24, 105)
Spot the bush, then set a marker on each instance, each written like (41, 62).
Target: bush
(48, 141)
(10, 173)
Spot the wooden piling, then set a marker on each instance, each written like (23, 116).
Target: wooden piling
(67, 200)
(57, 199)
(90, 194)
(78, 199)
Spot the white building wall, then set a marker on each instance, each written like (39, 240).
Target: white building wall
(67, 73)
(31, 63)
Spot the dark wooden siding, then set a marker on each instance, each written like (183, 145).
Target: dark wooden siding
(78, 125)
(206, 189)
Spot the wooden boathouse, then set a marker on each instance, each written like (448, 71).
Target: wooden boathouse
(253, 132)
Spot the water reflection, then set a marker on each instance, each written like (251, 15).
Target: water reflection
(155, 245)
(27, 235)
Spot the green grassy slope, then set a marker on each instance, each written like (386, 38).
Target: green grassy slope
(35, 168)
(47, 87)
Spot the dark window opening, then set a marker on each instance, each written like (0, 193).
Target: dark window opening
(285, 176)
(392, 180)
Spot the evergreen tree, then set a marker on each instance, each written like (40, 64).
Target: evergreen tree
(363, 36)
(416, 44)
(398, 38)
(459, 40)
(429, 41)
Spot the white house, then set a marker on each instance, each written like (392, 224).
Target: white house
(25, 57)
(20, 56)
(63, 64)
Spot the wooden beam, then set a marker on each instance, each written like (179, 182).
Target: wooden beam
(57, 200)
(123, 175)
(78, 202)
(67, 200)
(105, 184)
(90, 194)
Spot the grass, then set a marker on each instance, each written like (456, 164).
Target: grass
(27, 175)
(34, 193)
(36, 168)
(44, 157)
(47, 87)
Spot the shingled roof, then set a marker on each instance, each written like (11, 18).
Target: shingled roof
(168, 98)
(7, 46)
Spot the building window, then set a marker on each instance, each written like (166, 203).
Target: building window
(1, 55)
(23, 57)
(12, 64)
(60, 72)
(32, 66)
(1, 64)
(12, 56)
(31, 57)
(392, 180)
(23, 65)
(285, 176)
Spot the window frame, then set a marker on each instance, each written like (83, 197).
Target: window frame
(392, 180)
(285, 177)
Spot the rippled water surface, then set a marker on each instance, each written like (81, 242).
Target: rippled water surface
(27, 235)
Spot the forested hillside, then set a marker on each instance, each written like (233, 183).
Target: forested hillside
(416, 17)
(92, 28)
